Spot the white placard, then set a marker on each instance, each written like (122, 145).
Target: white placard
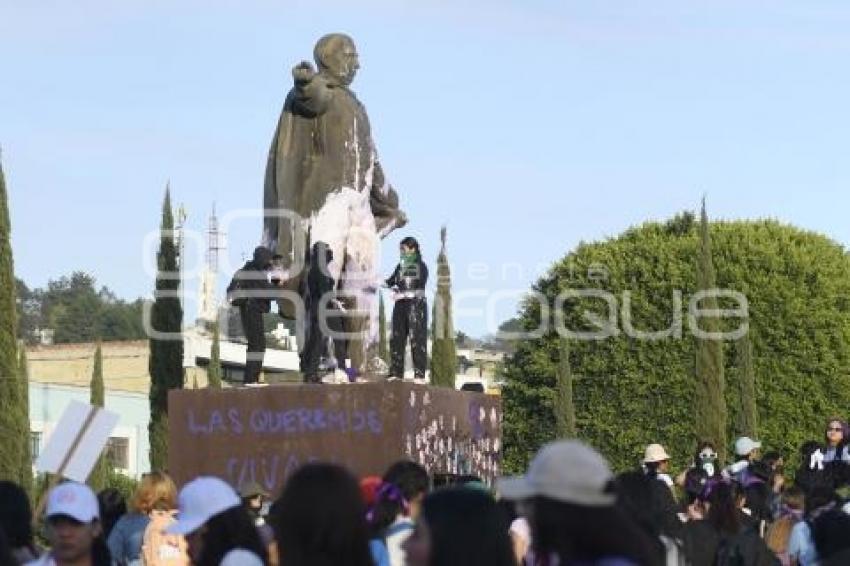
(89, 446)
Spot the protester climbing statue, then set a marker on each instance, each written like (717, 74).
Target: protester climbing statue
(324, 183)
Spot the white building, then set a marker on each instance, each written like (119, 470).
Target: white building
(128, 446)
(61, 373)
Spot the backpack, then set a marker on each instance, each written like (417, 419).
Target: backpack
(779, 533)
(160, 549)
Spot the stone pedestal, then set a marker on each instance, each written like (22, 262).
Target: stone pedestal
(263, 434)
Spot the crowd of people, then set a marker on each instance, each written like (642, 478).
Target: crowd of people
(568, 509)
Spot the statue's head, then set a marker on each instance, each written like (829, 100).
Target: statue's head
(336, 55)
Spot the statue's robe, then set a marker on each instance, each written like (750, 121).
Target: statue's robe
(324, 183)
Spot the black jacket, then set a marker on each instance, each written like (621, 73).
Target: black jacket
(412, 278)
(251, 288)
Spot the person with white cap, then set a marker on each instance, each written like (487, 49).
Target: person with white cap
(746, 452)
(656, 464)
(73, 528)
(570, 497)
(218, 529)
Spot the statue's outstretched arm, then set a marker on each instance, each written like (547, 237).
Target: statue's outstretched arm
(312, 94)
(384, 202)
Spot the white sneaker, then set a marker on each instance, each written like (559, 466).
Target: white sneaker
(393, 378)
(340, 376)
(420, 380)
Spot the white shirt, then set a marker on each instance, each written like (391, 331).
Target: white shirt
(46, 559)
(241, 557)
(398, 532)
(666, 479)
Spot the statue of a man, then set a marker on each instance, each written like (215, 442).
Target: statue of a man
(324, 183)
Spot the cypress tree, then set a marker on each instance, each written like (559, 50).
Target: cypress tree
(11, 409)
(26, 479)
(383, 344)
(214, 369)
(100, 473)
(748, 415)
(443, 348)
(565, 414)
(165, 364)
(709, 399)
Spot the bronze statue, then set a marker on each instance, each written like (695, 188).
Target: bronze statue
(324, 183)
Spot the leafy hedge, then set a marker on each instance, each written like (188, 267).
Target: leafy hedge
(629, 393)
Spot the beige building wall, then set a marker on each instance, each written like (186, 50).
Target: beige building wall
(125, 365)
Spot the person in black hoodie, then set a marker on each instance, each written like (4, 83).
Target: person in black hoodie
(251, 291)
(319, 283)
(410, 313)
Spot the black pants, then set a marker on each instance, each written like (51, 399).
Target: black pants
(252, 326)
(316, 343)
(410, 321)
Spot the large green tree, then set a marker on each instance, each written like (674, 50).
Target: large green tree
(77, 311)
(166, 343)
(443, 349)
(100, 473)
(630, 392)
(709, 401)
(14, 422)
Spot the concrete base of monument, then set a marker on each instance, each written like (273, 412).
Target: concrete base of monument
(264, 434)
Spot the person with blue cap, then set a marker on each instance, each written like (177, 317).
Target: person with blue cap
(73, 528)
(218, 529)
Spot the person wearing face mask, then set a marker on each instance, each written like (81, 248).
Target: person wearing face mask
(705, 459)
(410, 313)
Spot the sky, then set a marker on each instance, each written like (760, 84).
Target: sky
(525, 127)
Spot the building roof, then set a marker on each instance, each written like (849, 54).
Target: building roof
(125, 365)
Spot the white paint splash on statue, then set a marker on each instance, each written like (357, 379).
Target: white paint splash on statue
(324, 183)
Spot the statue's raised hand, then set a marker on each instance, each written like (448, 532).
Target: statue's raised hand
(303, 72)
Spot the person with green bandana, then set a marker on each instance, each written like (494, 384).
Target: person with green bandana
(410, 313)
